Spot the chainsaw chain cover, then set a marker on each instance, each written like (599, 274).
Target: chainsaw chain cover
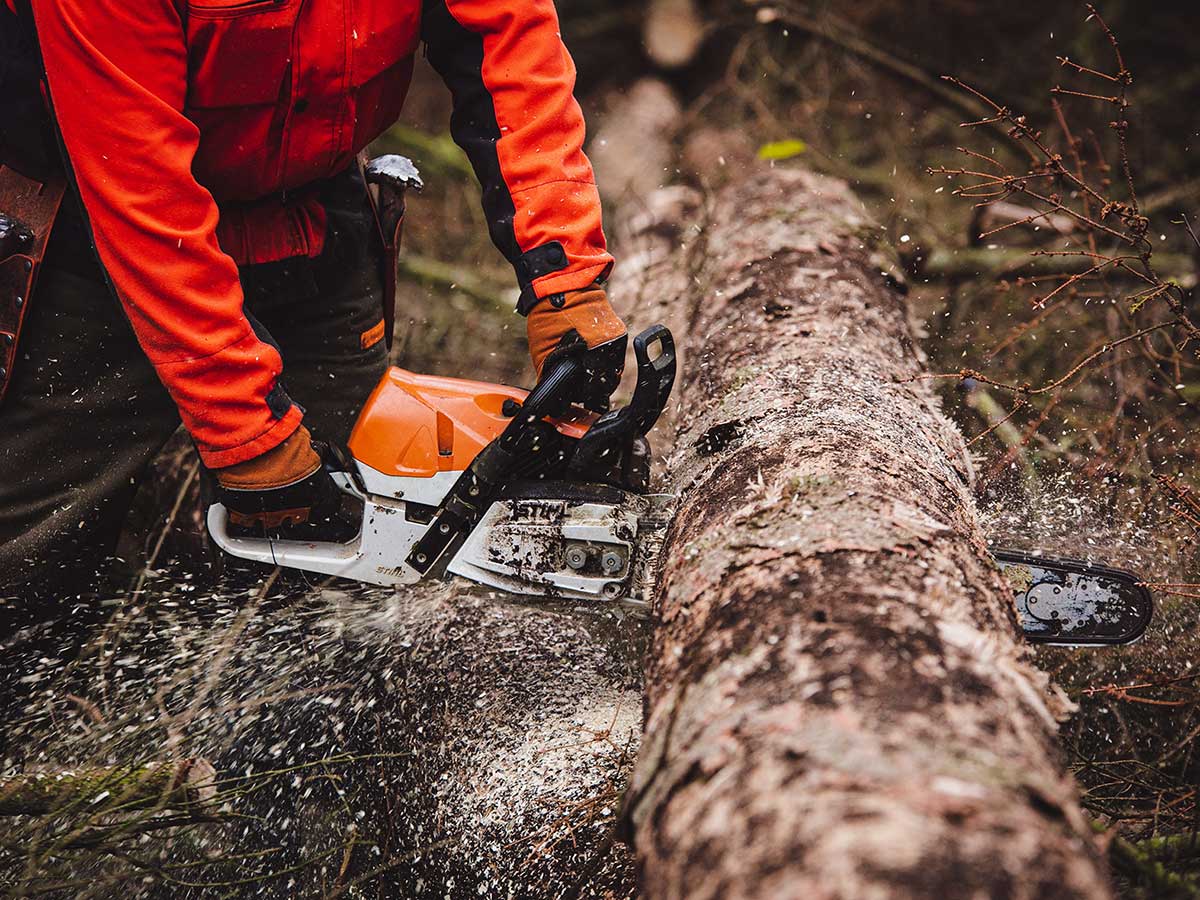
(596, 544)
(1075, 603)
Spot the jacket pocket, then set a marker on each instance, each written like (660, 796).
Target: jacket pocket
(239, 51)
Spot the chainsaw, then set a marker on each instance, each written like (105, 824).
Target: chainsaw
(525, 493)
(518, 491)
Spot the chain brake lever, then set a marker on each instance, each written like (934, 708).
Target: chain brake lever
(616, 429)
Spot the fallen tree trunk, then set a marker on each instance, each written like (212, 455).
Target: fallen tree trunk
(836, 701)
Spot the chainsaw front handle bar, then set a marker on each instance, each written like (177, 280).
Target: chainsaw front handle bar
(489, 473)
(614, 430)
(656, 376)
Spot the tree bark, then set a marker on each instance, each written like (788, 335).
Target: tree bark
(837, 704)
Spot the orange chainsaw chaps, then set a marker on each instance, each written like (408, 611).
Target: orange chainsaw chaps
(415, 426)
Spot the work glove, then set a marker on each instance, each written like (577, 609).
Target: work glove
(287, 485)
(582, 323)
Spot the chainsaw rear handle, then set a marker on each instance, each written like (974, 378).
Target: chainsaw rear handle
(324, 557)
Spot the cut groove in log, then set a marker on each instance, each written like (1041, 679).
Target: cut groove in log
(837, 705)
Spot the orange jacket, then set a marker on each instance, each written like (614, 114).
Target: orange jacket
(194, 126)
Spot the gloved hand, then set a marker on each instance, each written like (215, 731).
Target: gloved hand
(580, 322)
(287, 485)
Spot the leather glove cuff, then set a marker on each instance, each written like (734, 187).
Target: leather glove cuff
(287, 485)
(585, 312)
(288, 463)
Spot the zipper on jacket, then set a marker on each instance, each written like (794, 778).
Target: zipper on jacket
(234, 8)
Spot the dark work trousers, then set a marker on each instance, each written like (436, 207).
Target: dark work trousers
(86, 413)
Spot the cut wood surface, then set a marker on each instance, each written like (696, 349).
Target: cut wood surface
(837, 705)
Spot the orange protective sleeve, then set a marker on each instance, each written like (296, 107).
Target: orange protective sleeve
(118, 78)
(517, 117)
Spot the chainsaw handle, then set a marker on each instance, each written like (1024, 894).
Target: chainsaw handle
(325, 557)
(655, 377)
(614, 431)
(549, 396)
(468, 500)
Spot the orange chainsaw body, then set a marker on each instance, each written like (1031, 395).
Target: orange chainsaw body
(443, 470)
(415, 426)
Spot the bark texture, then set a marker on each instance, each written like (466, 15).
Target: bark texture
(837, 705)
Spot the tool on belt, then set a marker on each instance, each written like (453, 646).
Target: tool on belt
(27, 211)
(388, 179)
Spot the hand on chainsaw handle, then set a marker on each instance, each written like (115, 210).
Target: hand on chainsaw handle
(580, 322)
(287, 485)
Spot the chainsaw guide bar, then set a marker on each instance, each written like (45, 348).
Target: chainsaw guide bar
(1072, 603)
(524, 493)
